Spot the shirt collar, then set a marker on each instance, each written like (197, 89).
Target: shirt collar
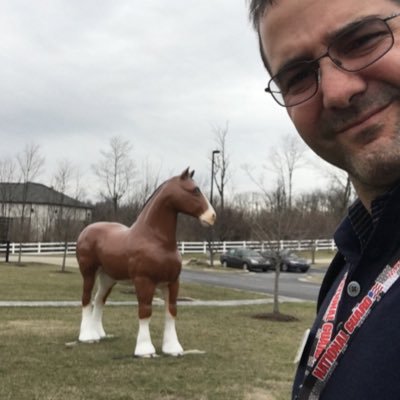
(355, 231)
(364, 222)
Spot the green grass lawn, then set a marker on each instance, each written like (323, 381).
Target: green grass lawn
(245, 358)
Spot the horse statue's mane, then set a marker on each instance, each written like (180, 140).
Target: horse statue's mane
(152, 195)
(189, 174)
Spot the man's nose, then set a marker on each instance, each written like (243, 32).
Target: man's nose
(337, 86)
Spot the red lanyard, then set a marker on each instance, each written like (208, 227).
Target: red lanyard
(324, 334)
(326, 351)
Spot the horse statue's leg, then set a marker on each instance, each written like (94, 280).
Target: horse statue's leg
(87, 333)
(105, 285)
(145, 289)
(171, 343)
(92, 326)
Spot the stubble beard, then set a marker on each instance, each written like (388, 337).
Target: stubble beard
(377, 163)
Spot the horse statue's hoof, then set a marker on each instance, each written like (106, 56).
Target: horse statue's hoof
(91, 341)
(180, 354)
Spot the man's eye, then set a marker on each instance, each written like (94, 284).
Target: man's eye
(296, 80)
(361, 44)
(361, 40)
(196, 190)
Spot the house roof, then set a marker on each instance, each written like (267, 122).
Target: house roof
(36, 193)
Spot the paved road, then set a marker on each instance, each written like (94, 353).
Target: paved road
(290, 284)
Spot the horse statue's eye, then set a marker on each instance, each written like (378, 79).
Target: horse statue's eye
(196, 190)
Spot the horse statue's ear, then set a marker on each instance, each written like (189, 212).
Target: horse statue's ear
(185, 173)
(191, 174)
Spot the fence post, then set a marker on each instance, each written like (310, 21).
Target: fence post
(7, 251)
(39, 247)
(183, 247)
(313, 251)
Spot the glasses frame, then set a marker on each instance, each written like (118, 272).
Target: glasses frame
(270, 90)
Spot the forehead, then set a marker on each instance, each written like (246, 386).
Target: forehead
(292, 29)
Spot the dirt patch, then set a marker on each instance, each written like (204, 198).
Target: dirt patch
(259, 394)
(35, 327)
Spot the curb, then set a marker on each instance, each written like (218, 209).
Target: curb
(203, 303)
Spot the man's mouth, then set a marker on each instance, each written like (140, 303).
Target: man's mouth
(361, 121)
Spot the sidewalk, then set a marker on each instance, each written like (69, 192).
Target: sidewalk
(55, 259)
(156, 302)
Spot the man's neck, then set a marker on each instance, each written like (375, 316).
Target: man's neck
(367, 194)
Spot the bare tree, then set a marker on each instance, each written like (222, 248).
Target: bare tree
(274, 222)
(341, 191)
(220, 177)
(222, 163)
(8, 170)
(284, 160)
(62, 175)
(116, 171)
(147, 183)
(30, 163)
(7, 176)
(274, 218)
(62, 179)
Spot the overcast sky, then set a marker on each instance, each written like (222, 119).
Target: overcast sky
(159, 73)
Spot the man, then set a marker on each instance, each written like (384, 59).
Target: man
(335, 66)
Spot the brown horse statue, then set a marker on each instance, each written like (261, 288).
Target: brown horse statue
(145, 254)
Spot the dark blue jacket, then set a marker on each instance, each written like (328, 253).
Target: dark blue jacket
(370, 367)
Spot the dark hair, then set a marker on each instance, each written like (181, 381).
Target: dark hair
(257, 9)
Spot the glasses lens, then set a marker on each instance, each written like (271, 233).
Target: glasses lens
(362, 45)
(294, 85)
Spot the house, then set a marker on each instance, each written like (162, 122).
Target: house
(35, 212)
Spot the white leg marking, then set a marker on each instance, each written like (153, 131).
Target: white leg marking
(88, 332)
(105, 283)
(171, 343)
(144, 346)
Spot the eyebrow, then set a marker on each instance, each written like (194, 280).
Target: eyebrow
(329, 38)
(348, 27)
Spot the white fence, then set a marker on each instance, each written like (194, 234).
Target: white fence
(184, 247)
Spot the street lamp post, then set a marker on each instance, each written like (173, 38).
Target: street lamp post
(212, 173)
(211, 243)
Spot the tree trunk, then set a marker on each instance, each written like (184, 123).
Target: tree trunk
(276, 285)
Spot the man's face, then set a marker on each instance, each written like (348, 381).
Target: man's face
(353, 121)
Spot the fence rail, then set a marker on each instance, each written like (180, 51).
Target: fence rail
(184, 247)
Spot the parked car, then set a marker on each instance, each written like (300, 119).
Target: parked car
(290, 261)
(245, 258)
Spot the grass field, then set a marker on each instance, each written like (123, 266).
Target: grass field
(245, 358)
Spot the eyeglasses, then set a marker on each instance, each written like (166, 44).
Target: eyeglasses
(352, 50)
